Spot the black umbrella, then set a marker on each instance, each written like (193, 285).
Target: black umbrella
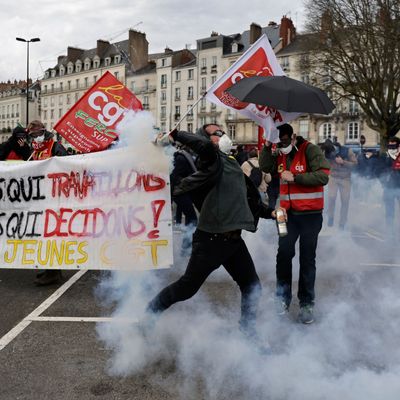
(282, 93)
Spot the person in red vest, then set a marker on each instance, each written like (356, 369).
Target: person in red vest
(43, 144)
(16, 147)
(303, 172)
(43, 147)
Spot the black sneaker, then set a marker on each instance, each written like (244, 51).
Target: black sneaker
(306, 314)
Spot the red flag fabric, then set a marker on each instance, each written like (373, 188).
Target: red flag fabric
(90, 125)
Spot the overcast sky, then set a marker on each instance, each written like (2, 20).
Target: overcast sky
(81, 22)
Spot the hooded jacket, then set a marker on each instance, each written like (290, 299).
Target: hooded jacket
(219, 189)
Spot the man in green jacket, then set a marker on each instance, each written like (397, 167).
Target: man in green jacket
(303, 172)
(219, 192)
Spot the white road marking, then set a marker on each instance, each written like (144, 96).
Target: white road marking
(380, 265)
(13, 333)
(83, 319)
(374, 237)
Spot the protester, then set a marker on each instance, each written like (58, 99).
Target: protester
(43, 147)
(260, 179)
(241, 154)
(16, 147)
(183, 167)
(303, 171)
(390, 178)
(226, 204)
(342, 160)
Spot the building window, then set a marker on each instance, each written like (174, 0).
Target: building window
(116, 74)
(232, 131)
(213, 79)
(77, 83)
(163, 95)
(325, 131)
(61, 86)
(353, 132)
(68, 98)
(133, 86)
(52, 101)
(353, 107)
(203, 84)
(190, 93)
(163, 127)
(69, 85)
(214, 61)
(146, 84)
(203, 121)
(204, 62)
(177, 112)
(52, 88)
(203, 104)
(285, 62)
(60, 99)
(87, 65)
(45, 114)
(145, 102)
(59, 112)
(177, 75)
(304, 127)
(190, 74)
(95, 78)
(163, 62)
(51, 114)
(107, 61)
(190, 127)
(305, 78)
(177, 94)
(86, 82)
(163, 80)
(163, 112)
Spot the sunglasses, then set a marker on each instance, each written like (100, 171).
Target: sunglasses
(218, 133)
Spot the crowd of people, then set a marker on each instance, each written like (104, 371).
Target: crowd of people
(220, 191)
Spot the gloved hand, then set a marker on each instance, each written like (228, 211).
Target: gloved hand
(163, 140)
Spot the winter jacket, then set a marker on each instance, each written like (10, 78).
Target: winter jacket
(316, 167)
(219, 190)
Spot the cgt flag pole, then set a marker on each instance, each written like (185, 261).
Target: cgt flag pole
(188, 111)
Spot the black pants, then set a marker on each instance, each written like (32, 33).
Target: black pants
(307, 226)
(184, 205)
(208, 253)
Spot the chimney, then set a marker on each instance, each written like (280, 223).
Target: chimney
(287, 31)
(60, 60)
(167, 50)
(138, 49)
(272, 23)
(73, 53)
(255, 32)
(102, 47)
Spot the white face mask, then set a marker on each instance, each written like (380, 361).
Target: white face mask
(286, 150)
(225, 144)
(393, 153)
(39, 139)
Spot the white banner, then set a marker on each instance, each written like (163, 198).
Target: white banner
(92, 211)
(258, 60)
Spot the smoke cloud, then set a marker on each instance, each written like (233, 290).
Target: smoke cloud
(197, 352)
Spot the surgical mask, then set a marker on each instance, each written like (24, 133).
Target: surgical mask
(393, 153)
(39, 139)
(286, 150)
(225, 144)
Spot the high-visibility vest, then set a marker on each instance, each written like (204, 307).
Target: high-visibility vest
(43, 151)
(294, 196)
(396, 163)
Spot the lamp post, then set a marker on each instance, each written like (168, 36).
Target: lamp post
(27, 72)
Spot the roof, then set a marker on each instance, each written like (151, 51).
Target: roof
(300, 44)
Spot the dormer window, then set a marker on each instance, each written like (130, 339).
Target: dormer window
(117, 59)
(78, 66)
(107, 61)
(96, 62)
(53, 73)
(47, 74)
(87, 64)
(70, 68)
(62, 70)
(235, 47)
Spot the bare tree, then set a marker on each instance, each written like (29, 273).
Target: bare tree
(358, 41)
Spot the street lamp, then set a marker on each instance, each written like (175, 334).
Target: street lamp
(27, 73)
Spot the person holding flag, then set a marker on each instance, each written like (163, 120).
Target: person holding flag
(303, 172)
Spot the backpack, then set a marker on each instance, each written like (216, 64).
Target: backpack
(255, 174)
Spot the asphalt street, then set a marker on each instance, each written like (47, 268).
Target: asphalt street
(56, 358)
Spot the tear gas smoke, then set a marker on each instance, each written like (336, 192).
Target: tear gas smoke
(197, 352)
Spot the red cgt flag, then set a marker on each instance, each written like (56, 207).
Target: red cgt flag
(90, 124)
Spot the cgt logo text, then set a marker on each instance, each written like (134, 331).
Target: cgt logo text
(299, 167)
